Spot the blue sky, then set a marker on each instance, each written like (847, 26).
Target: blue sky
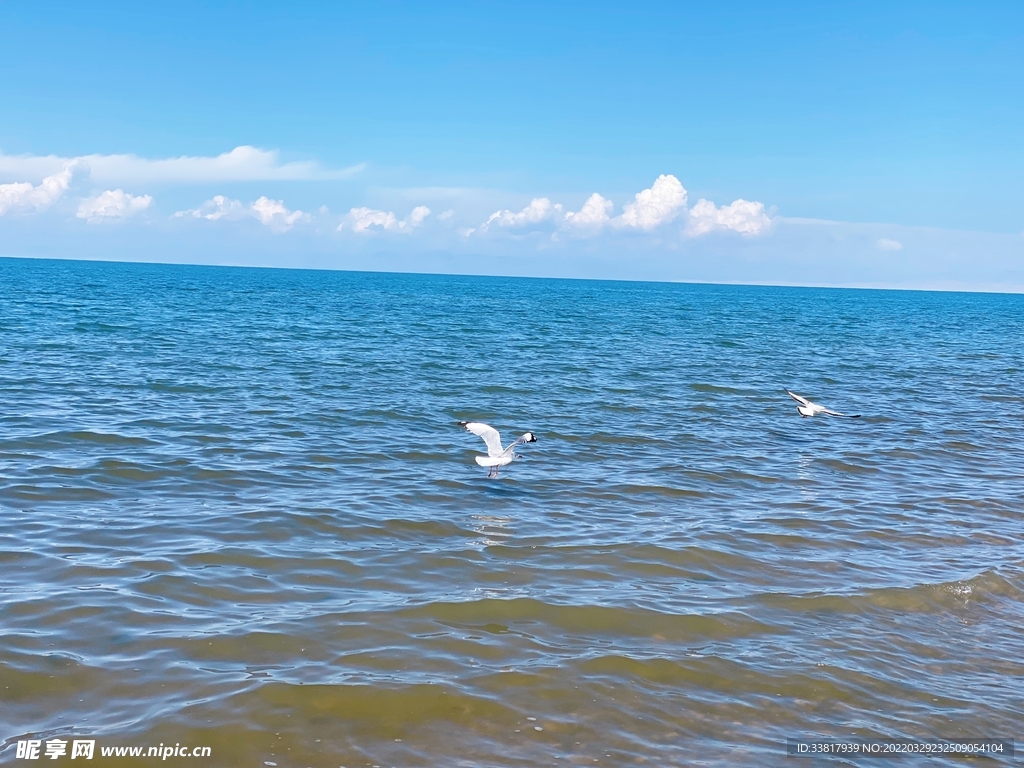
(869, 144)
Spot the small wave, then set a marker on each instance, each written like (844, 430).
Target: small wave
(384, 706)
(592, 619)
(718, 389)
(75, 438)
(920, 598)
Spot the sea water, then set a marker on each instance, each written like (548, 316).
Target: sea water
(238, 512)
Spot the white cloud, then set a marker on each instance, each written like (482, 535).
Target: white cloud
(655, 206)
(218, 207)
(445, 215)
(594, 213)
(885, 244)
(112, 204)
(418, 215)
(29, 198)
(743, 216)
(273, 214)
(365, 219)
(244, 163)
(664, 202)
(651, 208)
(369, 219)
(540, 209)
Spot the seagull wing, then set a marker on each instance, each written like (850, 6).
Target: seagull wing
(801, 400)
(518, 441)
(490, 435)
(837, 413)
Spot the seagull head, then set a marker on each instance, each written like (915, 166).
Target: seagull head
(529, 437)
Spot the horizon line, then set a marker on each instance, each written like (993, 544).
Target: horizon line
(999, 289)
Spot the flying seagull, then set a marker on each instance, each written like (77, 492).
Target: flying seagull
(807, 408)
(496, 455)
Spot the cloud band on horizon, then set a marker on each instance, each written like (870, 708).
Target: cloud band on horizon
(650, 211)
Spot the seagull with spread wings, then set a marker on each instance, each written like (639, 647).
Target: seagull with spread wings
(496, 455)
(807, 408)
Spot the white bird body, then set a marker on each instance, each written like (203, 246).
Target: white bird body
(806, 408)
(493, 461)
(496, 455)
